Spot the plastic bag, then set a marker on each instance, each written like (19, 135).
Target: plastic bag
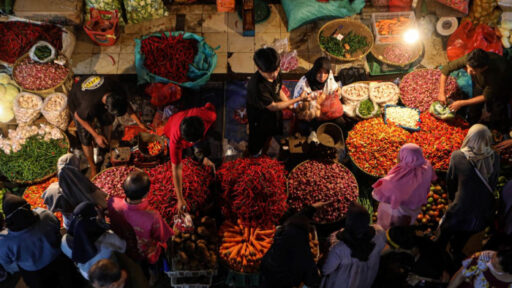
(400, 5)
(280, 45)
(467, 38)
(459, 5)
(183, 223)
(163, 94)
(226, 5)
(289, 61)
(55, 110)
(287, 113)
(351, 75)
(440, 111)
(27, 115)
(33, 55)
(141, 10)
(107, 5)
(331, 108)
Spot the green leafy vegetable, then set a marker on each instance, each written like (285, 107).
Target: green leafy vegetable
(366, 108)
(350, 44)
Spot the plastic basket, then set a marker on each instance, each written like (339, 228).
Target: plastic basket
(412, 129)
(103, 38)
(393, 38)
(188, 279)
(239, 279)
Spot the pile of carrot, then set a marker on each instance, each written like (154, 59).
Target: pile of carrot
(243, 247)
(393, 26)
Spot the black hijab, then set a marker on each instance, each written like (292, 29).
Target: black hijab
(358, 234)
(84, 230)
(320, 63)
(18, 215)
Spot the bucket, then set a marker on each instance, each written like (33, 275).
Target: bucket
(331, 135)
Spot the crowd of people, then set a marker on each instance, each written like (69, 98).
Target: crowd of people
(131, 248)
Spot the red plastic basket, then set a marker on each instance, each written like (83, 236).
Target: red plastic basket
(108, 24)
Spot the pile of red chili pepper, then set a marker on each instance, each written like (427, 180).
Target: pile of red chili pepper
(315, 181)
(154, 148)
(111, 180)
(196, 181)
(34, 196)
(169, 56)
(16, 38)
(253, 191)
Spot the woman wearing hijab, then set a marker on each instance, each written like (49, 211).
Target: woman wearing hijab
(402, 192)
(32, 243)
(89, 239)
(353, 259)
(72, 189)
(471, 179)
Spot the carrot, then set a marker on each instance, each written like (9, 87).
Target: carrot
(246, 234)
(233, 239)
(230, 235)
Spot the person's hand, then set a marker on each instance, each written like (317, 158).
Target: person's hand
(101, 140)
(181, 206)
(504, 145)
(208, 162)
(321, 204)
(145, 127)
(442, 98)
(305, 97)
(455, 106)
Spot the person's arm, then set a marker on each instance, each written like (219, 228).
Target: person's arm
(136, 118)
(160, 230)
(442, 85)
(461, 103)
(177, 178)
(100, 139)
(447, 69)
(332, 262)
(504, 145)
(452, 183)
(278, 106)
(457, 279)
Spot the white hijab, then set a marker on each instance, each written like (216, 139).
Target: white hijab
(477, 149)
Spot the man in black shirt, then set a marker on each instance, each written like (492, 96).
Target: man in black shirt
(96, 98)
(265, 101)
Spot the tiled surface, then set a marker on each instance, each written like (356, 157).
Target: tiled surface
(219, 29)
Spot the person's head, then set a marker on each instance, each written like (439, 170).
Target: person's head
(322, 68)
(504, 257)
(411, 154)
(358, 234)
(68, 160)
(136, 186)
(478, 139)
(477, 62)
(192, 129)
(17, 212)
(268, 62)
(116, 102)
(107, 274)
(358, 219)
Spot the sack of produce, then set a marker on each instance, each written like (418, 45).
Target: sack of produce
(367, 109)
(107, 5)
(384, 93)
(355, 93)
(331, 108)
(163, 94)
(42, 52)
(140, 10)
(55, 110)
(441, 111)
(8, 92)
(27, 108)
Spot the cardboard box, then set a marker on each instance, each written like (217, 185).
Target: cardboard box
(64, 12)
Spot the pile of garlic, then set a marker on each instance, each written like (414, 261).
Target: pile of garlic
(16, 138)
(403, 116)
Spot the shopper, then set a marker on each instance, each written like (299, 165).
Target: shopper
(101, 99)
(471, 179)
(353, 259)
(31, 243)
(501, 235)
(184, 130)
(118, 272)
(265, 101)
(72, 189)
(404, 190)
(89, 238)
(491, 74)
(485, 269)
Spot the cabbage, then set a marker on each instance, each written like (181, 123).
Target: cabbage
(8, 93)
(11, 91)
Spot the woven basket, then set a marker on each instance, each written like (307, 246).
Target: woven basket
(65, 84)
(362, 170)
(344, 26)
(115, 167)
(304, 162)
(378, 52)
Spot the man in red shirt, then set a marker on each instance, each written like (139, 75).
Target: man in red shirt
(184, 129)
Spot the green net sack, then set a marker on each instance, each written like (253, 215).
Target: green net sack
(107, 5)
(140, 10)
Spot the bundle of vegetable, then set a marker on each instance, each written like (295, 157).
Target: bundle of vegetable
(367, 109)
(111, 180)
(196, 181)
(392, 27)
(242, 247)
(439, 139)
(432, 212)
(140, 10)
(374, 146)
(420, 88)
(8, 92)
(34, 196)
(17, 37)
(27, 107)
(405, 117)
(17, 138)
(253, 191)
(384, 93)
(346, 47)
(197, 250)
(441, 111)
(39, 76)
(36, 159)
(397, 53)
(55, 110)
(169, 57)
(314, 181)
(355, 93)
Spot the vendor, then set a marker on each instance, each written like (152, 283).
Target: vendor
(491, 74)
(185, 129)
(265, 101)
(97, 98)
(318, 81)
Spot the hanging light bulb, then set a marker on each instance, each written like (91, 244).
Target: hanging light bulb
(411, 36)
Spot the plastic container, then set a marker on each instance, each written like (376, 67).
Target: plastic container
(394, 38)
(188, 279)
(412, 129)
(107, 35)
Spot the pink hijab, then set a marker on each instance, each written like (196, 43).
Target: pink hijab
(408, 183)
